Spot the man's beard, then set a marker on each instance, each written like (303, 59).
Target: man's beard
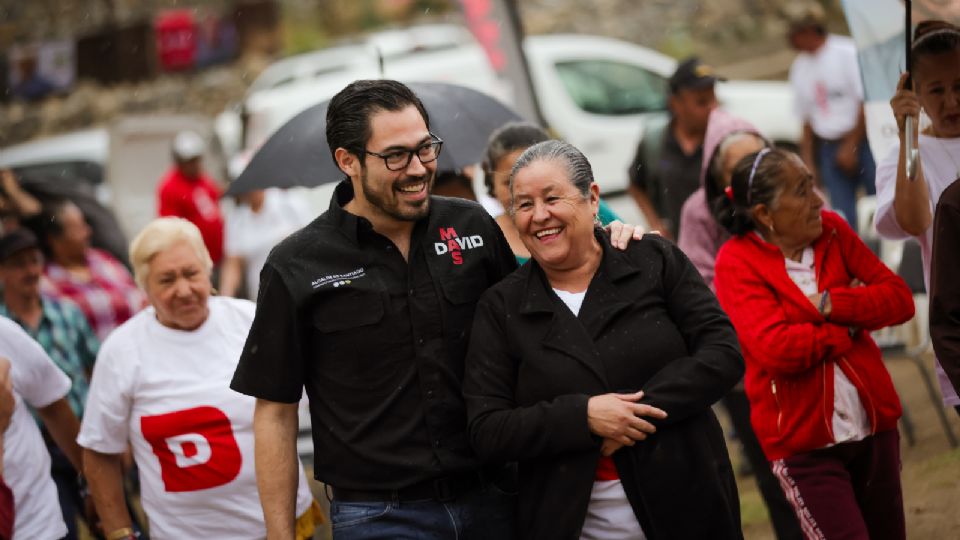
(397, 209)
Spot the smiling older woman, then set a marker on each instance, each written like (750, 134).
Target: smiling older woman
(590, 353)
(161, 383)
(804, 292)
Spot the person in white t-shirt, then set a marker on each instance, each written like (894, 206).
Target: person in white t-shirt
(260, 220)
(905, 207)
(39, 383)
(7, 405)
(828, 90)
(161, 383)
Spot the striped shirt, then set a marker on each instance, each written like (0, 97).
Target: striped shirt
(108, 298)
(66, 337)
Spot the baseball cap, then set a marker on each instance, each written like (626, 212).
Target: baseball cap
(692, 73)
(16, 240)
(188, 145)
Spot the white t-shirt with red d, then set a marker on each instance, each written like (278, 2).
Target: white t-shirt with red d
(168, 393)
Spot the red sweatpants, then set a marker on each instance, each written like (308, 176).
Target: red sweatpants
(850, 491)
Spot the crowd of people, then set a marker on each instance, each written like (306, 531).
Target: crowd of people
(550, 373)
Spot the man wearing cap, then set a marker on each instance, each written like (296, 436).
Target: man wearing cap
(186, 191)
(62, 331)
(828, 90)
(666, 168)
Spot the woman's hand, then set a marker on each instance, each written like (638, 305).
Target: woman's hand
(618, 417)
(825, 308)
(622, 233)
(905, 103)
(911, 198)
(608, 447)
(817, 298)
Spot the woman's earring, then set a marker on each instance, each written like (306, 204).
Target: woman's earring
(596, 219)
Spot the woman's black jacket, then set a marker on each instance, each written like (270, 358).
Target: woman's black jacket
(648, 322)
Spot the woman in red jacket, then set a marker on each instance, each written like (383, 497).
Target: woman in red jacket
(803, 293)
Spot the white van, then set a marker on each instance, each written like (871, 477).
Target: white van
(596, 93)
(119, 164)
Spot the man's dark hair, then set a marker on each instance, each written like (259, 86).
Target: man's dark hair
(508, 138)
(349, 112)
(49, 223)
(52, 212)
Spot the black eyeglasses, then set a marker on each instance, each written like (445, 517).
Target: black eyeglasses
(399, 160)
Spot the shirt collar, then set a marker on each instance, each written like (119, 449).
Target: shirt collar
(615, 263)
(45, 312)
(829, 228)
(348, 223)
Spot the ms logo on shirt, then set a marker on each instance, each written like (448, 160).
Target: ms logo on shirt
(455, 245)
(196, 448)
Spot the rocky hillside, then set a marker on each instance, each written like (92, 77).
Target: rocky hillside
(744, 38)
(746, 35)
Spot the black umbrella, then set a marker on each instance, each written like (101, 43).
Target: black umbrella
(105, 230)
(297, 154)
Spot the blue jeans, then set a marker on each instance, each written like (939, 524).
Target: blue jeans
(482, 513)
(841, 187)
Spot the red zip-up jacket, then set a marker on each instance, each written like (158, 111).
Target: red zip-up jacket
(791, 350)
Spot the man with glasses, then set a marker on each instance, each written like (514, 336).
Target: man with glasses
(370, 307)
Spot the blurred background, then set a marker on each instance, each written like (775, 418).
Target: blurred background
(93, 92)
(105, 58)
(116, 79)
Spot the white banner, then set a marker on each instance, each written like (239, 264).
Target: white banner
(877, 27)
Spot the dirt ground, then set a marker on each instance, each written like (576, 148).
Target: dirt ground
(931, 469)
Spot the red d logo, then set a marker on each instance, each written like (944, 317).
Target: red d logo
(196, 448)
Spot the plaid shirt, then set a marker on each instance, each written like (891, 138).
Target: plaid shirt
(64, 334)
(107, 299)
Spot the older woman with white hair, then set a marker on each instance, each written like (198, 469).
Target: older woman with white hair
(161, 383)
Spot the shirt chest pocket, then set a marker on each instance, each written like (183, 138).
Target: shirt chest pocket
(460, 301)
(355, 324)
(346, 310)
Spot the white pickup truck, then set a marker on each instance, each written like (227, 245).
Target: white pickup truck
(595, 92)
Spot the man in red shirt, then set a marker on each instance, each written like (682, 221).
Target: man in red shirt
(186, 191)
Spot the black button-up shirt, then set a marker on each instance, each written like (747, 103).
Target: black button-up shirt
(377, 341)
(671, 180)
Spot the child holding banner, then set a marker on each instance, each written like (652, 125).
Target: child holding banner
(904, 205)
